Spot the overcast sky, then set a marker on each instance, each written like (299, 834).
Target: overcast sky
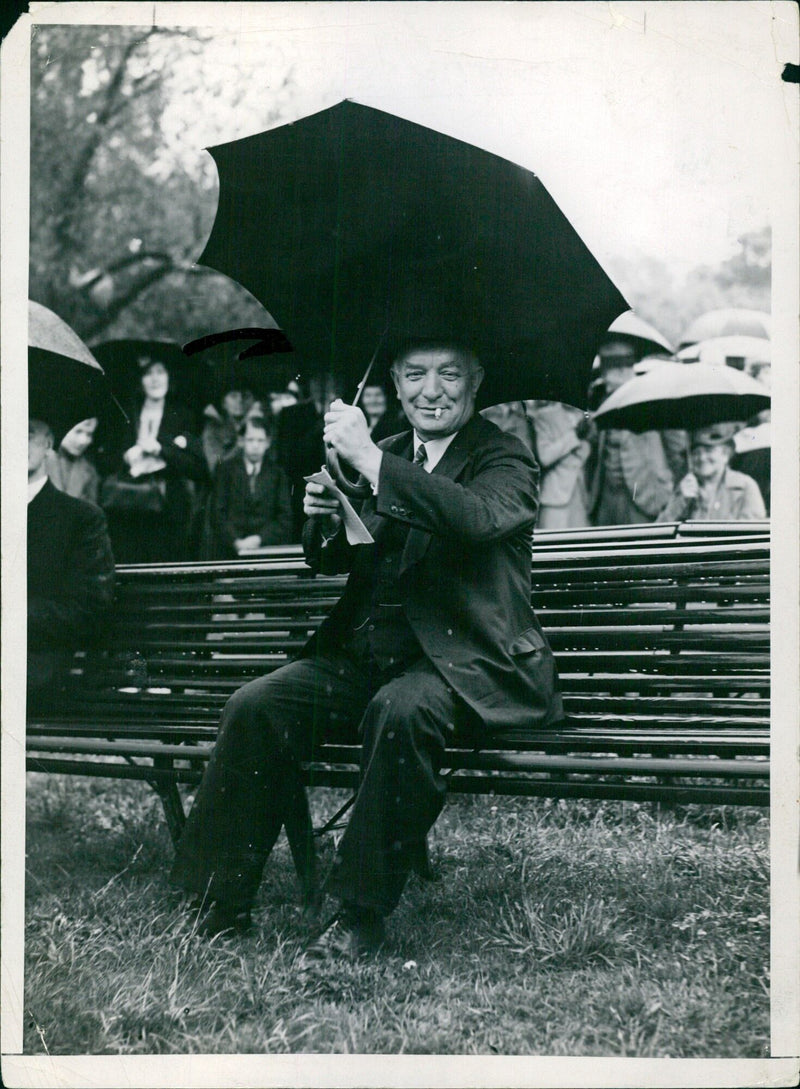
(660, 126)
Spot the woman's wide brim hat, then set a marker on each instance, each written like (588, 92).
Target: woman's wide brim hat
(719, 434)
(126, 360)
(133, 352)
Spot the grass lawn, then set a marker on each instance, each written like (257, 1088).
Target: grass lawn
(556, 928)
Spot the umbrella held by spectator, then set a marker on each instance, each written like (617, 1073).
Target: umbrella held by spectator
(687, 395)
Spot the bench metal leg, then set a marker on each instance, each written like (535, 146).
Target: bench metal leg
(300, 833)
(333, 822)
(170, 800)
(173, 808)
(421, 863)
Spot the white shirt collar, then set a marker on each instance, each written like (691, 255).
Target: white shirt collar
(434, 450)
(36, 487)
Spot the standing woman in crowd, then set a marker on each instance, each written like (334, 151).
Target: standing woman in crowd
(157, 466)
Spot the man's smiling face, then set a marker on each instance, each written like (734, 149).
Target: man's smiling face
(437, 388)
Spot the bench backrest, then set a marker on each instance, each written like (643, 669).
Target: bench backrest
(657, 628)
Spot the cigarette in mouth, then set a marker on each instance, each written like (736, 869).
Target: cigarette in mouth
(437, 413)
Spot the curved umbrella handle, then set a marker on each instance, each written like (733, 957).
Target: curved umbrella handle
(358, 489)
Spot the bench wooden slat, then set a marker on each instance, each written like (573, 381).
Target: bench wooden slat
(627, 742)
(488, 759)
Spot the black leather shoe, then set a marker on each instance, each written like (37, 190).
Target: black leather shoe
(223, 918)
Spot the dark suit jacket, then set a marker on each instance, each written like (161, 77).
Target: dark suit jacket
(299, 450)
(238, 513)
(169, 534)
(465, 576)
(70, 575)
(181, 448)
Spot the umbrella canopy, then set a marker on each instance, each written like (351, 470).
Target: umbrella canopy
(754, 438)
(124, 360)
(229, 341)
(352, 224)
(728, 322)
(66, 384)
(644, 336)
(253, 358)
(733, 351)
(681, 396)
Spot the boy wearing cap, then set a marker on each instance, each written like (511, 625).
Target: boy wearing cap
(711, 490)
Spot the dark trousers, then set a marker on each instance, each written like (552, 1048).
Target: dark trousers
(252, 780)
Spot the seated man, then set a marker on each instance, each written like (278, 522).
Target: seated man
(433, 639)
(70, 571)
(250, 504)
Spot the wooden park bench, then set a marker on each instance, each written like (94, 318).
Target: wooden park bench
(661, 634)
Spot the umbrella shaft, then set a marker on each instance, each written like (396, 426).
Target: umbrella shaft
(363, 381)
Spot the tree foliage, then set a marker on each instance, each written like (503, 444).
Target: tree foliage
(122, 199)
(671, 303)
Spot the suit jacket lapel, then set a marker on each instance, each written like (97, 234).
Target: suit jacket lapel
(451, 465)
(402, 445)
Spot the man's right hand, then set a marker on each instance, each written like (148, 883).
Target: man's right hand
(320, 502)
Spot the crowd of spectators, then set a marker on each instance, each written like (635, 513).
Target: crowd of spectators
(180, 483)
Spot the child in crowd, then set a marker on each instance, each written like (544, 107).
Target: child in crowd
(250, 504)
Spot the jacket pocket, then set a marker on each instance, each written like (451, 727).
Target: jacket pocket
(530, 640)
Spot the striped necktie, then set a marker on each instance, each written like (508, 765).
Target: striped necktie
(421, 455)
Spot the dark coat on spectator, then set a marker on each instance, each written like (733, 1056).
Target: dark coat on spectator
(70, 578)
(238, 512)
(144, 537)
(299, 450)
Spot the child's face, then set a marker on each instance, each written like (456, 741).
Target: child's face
(255, 444)
(79, 439)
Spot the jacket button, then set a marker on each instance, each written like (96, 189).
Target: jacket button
(449, 631)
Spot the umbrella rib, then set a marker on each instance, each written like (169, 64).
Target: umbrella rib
(363, 381)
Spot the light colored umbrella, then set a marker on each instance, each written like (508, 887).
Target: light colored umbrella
(674, 395)
(753, 438)
(728, 322)
(632, 327)
(50, 333)
(733, 350)
(649, 361)
(66, 384)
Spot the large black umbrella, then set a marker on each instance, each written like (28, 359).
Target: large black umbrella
(66, 384)
(255, 358)
(352, 223)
